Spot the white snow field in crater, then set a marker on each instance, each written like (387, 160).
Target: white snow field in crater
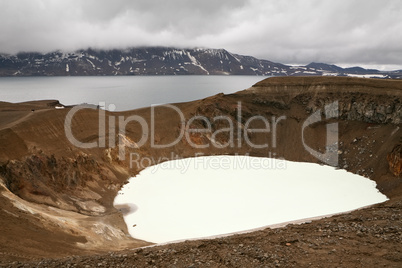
(215, 195)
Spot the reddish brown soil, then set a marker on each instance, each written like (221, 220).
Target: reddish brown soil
(56, 199)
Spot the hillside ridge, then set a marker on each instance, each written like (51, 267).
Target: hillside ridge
(165, 61)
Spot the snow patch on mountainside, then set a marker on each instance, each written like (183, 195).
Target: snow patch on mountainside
(165, 61)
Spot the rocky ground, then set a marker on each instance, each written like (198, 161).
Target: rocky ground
(371, 237)
(56, 200)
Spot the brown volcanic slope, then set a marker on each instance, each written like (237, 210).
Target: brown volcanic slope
(56, 199)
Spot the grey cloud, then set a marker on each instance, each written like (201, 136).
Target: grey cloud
(354, 31)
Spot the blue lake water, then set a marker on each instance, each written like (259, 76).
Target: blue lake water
(125, 92)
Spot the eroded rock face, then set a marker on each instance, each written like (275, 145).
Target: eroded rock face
(66, 183)
(370, 101)
(395, 160)
(365, 110)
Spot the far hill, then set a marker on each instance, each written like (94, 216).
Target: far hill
(165, 61)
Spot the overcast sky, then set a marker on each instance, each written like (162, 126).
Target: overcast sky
(344, 32)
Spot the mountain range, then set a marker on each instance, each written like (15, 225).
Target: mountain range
(166, 61)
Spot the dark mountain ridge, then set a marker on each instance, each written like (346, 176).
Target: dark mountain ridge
(165, 61)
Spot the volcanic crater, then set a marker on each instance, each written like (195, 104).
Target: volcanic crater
(56, 199)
